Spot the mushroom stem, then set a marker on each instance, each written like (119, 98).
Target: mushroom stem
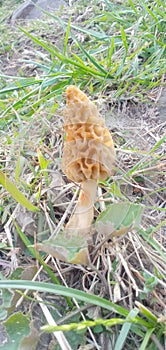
(84, 212)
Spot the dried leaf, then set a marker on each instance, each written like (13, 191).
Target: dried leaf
(116, 293)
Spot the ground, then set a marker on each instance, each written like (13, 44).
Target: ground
(125, 270)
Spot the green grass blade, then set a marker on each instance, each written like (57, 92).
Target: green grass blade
(149, 239)
(18, 103)
(146, 339)
(155, 147)
(125, 330)
(15, 193)
(110, 52)
(67, 37)
(22, 83)
(133, 6)
(146, 312)
(124, 39)
(72, 293)
(93, 33)
(37, 256)
(61, 290)
(39, 42)
(92, 60)
(148, 10)
(63, 58)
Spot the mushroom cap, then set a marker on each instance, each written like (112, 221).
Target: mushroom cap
(88, 151)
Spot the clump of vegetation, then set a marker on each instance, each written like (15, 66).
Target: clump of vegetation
(115, 52)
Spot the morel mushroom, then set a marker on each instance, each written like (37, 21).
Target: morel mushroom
(88, 154)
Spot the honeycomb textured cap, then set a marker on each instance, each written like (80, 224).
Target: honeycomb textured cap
(88, 149)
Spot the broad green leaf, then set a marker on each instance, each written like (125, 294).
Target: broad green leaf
(6, 299)
(118, 218)
(15, 193)
(30, 341)
(68, 248)
(17, 327)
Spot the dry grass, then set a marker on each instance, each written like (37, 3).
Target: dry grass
(124, 270)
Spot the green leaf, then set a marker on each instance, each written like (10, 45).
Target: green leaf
(124, 39)
(42, 161)
(36, 254)
(6, 299)
(30, 342)
(72, 293)
(148, 236)
(110, 52)
(15, 193)
(146, 313)
(150, 282)
(125, 330)
(118, 218)
(146, 339)
(67, 37)
(133, 6)
(17, 327)
(62, 57)
(67, 248)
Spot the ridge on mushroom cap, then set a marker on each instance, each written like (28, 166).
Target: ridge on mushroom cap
(74, 95)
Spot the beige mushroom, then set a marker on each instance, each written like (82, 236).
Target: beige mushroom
(88, 155)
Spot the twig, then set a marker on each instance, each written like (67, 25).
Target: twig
(75, 302)
(65, 214)
(9, 237)
(124, 263)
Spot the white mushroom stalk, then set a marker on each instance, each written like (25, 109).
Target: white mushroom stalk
(84, 211)
(88, 155)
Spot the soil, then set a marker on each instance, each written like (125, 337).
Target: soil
(135, 125)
